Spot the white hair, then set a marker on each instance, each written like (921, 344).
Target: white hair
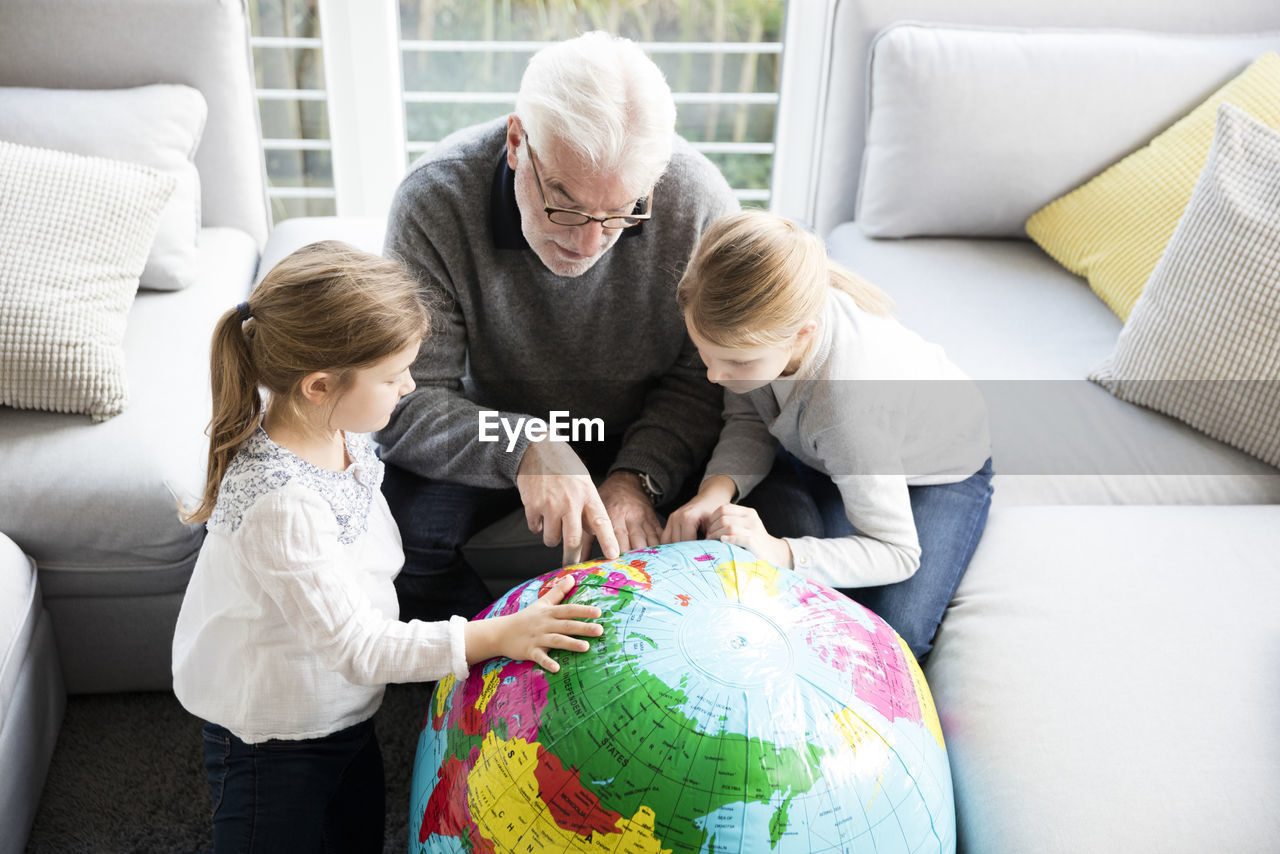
(604, 99)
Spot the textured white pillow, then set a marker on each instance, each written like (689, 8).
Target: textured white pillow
(1203, 341)
(74, 235)
(970, 131)
(158, 126)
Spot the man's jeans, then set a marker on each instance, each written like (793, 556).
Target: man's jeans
(315, 795)
(797, 501)
(435, 518)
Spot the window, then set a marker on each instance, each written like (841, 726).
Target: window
(292, 104)
(460, 64)
(463, 61)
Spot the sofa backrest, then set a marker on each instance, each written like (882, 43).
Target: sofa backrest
(91, 44)
(820, 134)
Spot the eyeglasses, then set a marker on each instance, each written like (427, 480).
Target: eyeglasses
(564, 216)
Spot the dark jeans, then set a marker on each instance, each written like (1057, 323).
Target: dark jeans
(314, 795)
(797, 501)
(436, 518)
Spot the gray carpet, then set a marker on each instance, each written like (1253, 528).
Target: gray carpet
(128, 776)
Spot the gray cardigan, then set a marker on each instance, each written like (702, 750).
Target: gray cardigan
(509, 335)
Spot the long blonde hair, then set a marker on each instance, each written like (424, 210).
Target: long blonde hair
(326, 307)
(755, 279)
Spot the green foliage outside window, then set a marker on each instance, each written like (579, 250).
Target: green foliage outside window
(498, 71)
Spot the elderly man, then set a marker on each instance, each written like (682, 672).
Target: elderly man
(549, 244)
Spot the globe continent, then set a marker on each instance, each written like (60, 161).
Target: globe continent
(730, 706)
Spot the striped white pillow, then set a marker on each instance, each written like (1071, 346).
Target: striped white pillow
(74, 236)
(1203, 341)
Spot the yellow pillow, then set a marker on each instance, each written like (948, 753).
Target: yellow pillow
(1113, 229)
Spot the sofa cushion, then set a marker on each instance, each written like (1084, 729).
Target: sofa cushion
(20, 608)
(74, 235)
(96, 504)
(1029, 332)
(1203, 342)
(1114, 229)
(157, 126)
(971, 130)
(1106, 677)
(89, 44)
(32, 693)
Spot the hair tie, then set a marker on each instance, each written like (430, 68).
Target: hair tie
(245, 314)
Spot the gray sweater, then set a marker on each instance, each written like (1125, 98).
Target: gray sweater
(877, 409)
(509, 335)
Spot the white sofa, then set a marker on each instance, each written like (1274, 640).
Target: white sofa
(93, 557)
(1106, 675)
(95, 504)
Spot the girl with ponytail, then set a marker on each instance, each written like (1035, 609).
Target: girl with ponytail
(288, 631)
(884, 480)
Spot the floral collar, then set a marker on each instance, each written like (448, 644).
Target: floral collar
(261, 467)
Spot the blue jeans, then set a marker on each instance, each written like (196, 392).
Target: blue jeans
(798, 501)
(436, 518)
(314, 795)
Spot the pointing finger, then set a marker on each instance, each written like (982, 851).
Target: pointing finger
(601, 526)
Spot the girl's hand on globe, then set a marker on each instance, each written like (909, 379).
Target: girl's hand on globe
(741, 526)
(684, 523)
(531, 634)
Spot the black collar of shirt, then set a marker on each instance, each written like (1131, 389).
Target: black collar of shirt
(504, 213)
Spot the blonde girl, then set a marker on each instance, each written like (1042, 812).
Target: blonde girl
(885, 481)
(288, 632)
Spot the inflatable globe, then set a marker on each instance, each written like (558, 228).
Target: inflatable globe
(729, 706)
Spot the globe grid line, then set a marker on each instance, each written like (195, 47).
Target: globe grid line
(632, 755)
(705, 813)
(710, 792)
(684, 783)
(869, 824)
(803, 798)
(562, 787)
(836, 809)
(893, 813)
(513, 783)
(671, 831)
(915, 784)
(902, 764)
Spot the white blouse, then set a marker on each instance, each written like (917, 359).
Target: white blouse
(289, 625)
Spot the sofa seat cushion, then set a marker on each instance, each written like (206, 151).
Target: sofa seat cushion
(1030, 332)
(20, 608)
(32, 693)
(96, 504)
(1106, 676)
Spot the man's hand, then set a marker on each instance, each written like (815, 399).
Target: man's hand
(561, 501)
(635, 524)
(741, 526)
(685, 523)
(530, 634)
